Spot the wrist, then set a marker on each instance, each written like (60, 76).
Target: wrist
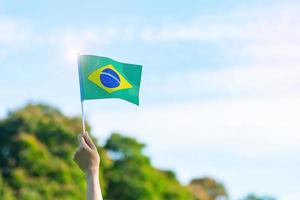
(92, 172)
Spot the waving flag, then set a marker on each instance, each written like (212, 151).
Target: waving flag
(102, 78)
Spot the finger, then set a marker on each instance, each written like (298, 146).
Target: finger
(83, 143)
(89, 141)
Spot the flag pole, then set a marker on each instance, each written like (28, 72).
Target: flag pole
(81, 100)
(82, 117)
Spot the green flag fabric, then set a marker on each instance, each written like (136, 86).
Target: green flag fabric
(102, 78)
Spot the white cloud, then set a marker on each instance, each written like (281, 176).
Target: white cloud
(265, 42)
(252, 81)
(88, 39)
(15, 33)
(266, 34)
(246, 127)
(264, 24)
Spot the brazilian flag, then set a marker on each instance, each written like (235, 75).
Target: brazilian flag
(102, 78)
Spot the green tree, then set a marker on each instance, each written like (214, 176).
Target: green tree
(5, 192)
(207, 189)
(255, 197)
(37, 143)
(132, 177)
(36, 147)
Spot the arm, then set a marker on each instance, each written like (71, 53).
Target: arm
(87, 158)
(93, 187)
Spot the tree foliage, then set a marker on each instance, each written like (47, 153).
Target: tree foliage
(37, 143)
(207, 189)
(36, 148)
(132, 176)
(255, 197)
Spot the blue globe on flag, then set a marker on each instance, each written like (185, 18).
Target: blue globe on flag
(109, 78)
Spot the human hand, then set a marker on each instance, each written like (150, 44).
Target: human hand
(86, 155)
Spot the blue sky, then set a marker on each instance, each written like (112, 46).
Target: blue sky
(220, 89)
